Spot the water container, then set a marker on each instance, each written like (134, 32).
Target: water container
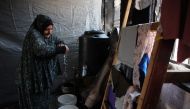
(93, 51)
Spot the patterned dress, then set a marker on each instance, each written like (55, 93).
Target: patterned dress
(38, 69)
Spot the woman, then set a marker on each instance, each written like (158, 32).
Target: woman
(39, 65)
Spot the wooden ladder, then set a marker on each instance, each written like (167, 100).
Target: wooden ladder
(109, 82)
(158, 74)
(157, 71)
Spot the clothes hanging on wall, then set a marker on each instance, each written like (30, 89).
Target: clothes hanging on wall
(126, 51)
(143, 67)
(111, 98)
(140, 16)
(127, 72)
(142, 4)
(127, 45)
(175, 22)
(146, 11)
(130, 98)
(158, 10)
(144, 45)
(135, 42)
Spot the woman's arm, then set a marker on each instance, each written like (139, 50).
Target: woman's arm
(40, 48)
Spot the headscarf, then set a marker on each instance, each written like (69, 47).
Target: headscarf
(41, 22)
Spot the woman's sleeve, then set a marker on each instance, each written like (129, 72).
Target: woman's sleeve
(41, 49)
(58, 40)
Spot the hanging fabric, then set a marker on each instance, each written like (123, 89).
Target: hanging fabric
(142, 4)
(144, 45)
(127, 45)
(143, 67)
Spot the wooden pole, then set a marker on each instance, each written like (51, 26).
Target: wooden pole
(115, 62)
(157, 68)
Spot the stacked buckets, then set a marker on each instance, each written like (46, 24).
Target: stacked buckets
(67, 101)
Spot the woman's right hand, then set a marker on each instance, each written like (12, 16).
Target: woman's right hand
(66, 48)
(62, 48)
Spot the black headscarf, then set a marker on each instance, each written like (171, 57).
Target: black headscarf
(41, 22)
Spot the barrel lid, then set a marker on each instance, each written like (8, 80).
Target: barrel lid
(92, 32)
(67, 99)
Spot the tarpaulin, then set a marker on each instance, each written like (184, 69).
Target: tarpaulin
(71, 18)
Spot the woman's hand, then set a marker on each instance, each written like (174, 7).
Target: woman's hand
(62, 48)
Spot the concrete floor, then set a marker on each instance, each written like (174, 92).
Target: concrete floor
(173, 97)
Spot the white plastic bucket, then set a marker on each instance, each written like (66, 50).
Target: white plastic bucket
(67, 99)
(68, 107)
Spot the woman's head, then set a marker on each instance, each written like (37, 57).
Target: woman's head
(48, 31)
(44, 25)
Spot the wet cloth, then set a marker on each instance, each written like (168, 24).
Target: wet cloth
(175, 22)
(38, 68)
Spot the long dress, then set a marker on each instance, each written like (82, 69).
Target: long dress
(38, 69)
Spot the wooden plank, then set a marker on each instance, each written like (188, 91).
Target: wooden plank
(126, 14)
(129, 3)
(154, 26)
(184, 86)
(173, 76)
(156, 72)
(115, 58)
(103, 106)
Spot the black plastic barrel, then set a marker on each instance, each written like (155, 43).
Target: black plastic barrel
(93, 51)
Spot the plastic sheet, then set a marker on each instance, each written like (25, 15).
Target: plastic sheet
(71, 18)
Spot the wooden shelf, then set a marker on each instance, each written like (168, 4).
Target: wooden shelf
(175, 76)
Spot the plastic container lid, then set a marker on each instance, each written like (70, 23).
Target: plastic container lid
(67, 99)
(68, 107)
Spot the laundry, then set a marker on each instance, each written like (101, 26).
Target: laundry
(144, 45)
(142, 4)
(111, 98)
(135, 42)
(127, 72)
(127, 45)
(140, 16)
(143, 67)
(130, 98)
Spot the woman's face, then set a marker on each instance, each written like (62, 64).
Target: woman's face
(48, 31)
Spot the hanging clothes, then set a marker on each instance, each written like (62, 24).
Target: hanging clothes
(127, 72)
(143, 67)
(144, 45)
(175, 22)
(126, 51)
(157, 10)
(111, 98)
(127, 45)
(140, 16)
(130, 98)
(142, 4)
